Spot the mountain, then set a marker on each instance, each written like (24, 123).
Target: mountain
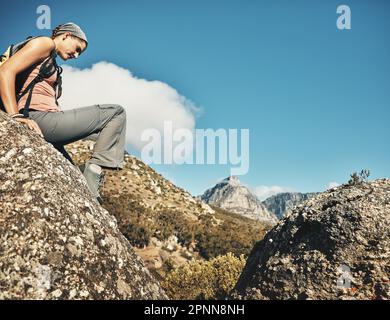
(335, 245)
(231, 195)
(56, 241)
(282, 203)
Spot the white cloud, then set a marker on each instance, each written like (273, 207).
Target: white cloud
(333, 185)
(147, 103)
(264, 192)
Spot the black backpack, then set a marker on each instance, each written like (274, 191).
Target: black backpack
(47, 69)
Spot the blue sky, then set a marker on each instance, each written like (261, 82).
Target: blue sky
(315, 98)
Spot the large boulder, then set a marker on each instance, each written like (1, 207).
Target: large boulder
(56, 241)
(333, 246)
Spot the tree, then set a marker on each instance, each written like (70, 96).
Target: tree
(357, 178)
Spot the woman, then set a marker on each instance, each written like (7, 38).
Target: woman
(105, 123)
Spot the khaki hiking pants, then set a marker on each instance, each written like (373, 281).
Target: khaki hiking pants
(103, 123)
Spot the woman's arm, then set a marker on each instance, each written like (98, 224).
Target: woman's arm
(34, 51)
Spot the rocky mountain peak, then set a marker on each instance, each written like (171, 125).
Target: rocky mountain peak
(230, 194)
(232, 180)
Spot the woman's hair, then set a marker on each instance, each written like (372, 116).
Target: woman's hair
(55, 30)
(72, 28)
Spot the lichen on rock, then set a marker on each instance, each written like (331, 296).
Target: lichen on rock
(335, 245)
(56, 241)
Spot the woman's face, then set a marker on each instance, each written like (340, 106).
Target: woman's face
(70, 47)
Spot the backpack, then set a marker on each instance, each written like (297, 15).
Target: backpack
(47, 69)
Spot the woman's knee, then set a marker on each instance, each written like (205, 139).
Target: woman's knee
(121, 113)
(120, 110)
(113, 111)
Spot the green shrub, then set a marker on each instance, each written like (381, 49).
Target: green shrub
(198, 279)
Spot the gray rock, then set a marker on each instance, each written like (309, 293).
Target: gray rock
(336, 245)
(231, 195)
(282, 203)
(56, 241)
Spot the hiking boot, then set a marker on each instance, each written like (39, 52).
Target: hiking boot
(94, 176)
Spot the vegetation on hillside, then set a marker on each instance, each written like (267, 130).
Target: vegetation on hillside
(210, 280)
(214, 235)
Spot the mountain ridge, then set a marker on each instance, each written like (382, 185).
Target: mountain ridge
(280, 204)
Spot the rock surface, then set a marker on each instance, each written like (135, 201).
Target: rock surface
(56, 241)
(281, 203)
(231, 195)
(333, 246)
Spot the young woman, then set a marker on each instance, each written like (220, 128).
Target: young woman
(105, 123)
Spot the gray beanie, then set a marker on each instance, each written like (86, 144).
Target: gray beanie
(72, 28)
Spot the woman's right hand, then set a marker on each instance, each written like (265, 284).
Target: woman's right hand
(31, 124)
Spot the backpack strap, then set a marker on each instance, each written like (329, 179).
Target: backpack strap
(58, 84)
(20, 45)
(5, 56)
(47, 69)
